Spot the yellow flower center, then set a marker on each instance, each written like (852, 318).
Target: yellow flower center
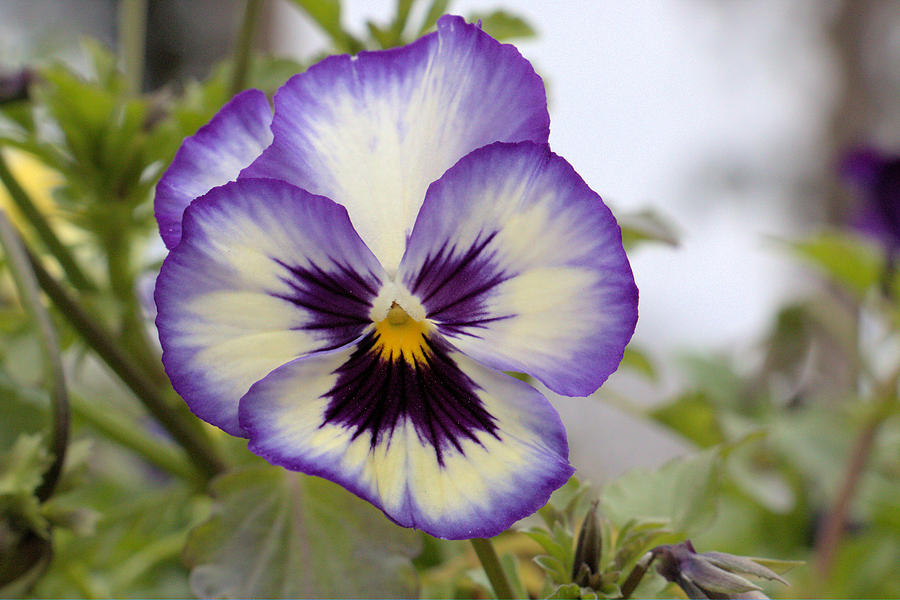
(399, 335)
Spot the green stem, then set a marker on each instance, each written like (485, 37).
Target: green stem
(24, 277)
(492, 567)
(132, 17)
(829, 536)
(123, 431)
(637, 573)
(244, 45)
(199, 449)
(34, 216)
(132, 331)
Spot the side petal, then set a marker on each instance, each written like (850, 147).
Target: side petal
(443, 445)
(213, 156)
(265, 272)
(521, 265)
(373, 131)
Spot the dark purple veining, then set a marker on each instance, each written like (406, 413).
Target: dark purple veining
(453, 285)
(373, 395)
(337, 300)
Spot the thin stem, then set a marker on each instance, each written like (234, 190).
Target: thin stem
(132, 331)
(244, 45)
(132, 40)
(198, 448)
(34, 216)
(829, 536)
(636, 575)
(126, 433)
(492, 567)
(26, 284)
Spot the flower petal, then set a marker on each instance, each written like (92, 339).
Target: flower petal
(373, 131)
(265, 272)
(444, 445)
(521, 265)
(215, 155)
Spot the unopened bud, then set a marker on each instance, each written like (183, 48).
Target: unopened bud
(14, 86)
(587, 549)
(710, 574)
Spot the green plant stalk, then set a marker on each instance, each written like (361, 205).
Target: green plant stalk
(132, 329)
(637, 574)
(132, 22)
(492, 567)
(26, 206)
(198, 447)
(123, 431)
(244, 45)
(829, 536)
(17, 259)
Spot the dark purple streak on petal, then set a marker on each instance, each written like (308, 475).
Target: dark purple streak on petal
(374, 395)
(338, 302)
(453, 285)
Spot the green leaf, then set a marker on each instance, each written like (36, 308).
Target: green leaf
(567, 591)
(554, 567)
(693, 416)
(548, 543)
(638, 361)
(24, 410)
(646, 226)
(382, 36)
(847, 260)
(135, 549)
(283, 534)
(502, 25)
(682, 492)
(22, 468)
(327, 15)
(269, 73)
(435, 10)
(400, 19)
(21, 472)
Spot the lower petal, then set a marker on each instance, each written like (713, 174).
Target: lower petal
(444, 445)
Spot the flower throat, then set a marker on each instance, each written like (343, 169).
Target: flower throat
(400, 336)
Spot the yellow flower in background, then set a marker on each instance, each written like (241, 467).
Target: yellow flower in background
(38, 181)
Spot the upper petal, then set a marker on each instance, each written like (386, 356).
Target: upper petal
(372, 132)
(265, 272)
(440, 443)
(521, 265)
(214, 155)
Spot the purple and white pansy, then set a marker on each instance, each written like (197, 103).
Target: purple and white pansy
(350, 276)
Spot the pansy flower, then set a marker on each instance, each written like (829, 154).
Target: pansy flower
(397, 235)
(876, 175)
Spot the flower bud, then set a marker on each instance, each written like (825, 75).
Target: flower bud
(587, 549)
(710, 574)
(14, 86)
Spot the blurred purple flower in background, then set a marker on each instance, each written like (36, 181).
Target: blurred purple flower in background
(876, 176)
